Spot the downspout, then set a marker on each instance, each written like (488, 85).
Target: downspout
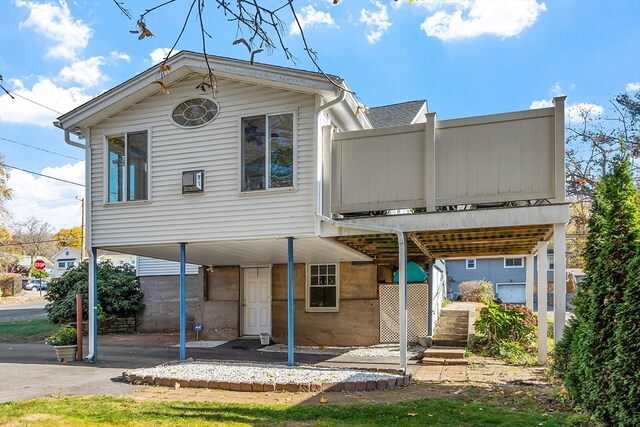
(402, 241)
(92, 298)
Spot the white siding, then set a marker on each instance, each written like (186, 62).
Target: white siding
(221, 213)
(161, 267)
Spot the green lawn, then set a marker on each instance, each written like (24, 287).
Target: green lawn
(26, 330)
(453, 411)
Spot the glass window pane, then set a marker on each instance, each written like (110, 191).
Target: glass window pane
(316, 297)
(323, 269)
(329, 297)
(116, 169)
(314, 270)
(281, 147)
(314, 281)
(332, 269)
(253, 154)
(137, 165)
(331, 281)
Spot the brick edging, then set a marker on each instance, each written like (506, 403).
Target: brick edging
(371, 385)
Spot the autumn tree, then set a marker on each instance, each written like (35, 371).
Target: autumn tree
(5, 193)
(34, 238)
(71, 237)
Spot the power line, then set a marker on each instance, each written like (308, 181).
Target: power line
(40, 174)
(41, 149)
(32, 101)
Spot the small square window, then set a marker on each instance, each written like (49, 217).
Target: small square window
(551, 263)
(471, 263)
(323, 290)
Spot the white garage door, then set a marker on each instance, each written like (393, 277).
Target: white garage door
(512, 292)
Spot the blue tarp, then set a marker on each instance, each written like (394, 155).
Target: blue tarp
(415, 274)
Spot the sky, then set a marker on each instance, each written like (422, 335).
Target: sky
(465, 57)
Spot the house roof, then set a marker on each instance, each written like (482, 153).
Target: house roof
(185, 64)
(404, 113)
(62, 253)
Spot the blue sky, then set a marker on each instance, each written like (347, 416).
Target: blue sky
(466, 57)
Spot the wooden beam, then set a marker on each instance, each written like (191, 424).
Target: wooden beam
(415, 239)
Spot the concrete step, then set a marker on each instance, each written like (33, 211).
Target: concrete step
(443, 352)
(457, 329)
(450, 343)
(449, 336)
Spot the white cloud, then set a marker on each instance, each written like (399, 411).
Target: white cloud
(377, 22)
(556, 90)
(45, 92)
(543, 103)
(46, 199)
(473, 18)
(86, 72)
(632, 87)
(120, 55)
(159, 54)
(576, 113)
(56, 24)
(309, 18)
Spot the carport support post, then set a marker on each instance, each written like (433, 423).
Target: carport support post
(559, 281)
(183, 302)
(529, 279)
(93, 306)
(542, 303)
(402, 283)
(290, 306)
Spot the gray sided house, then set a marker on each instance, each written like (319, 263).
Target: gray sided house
(508, 275)
(298, 207)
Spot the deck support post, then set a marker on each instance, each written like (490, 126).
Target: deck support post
(529, 267)
(402, 284)
(183, 302)
(559, 281)
(93, 306)
(290, 303)
(542, 303)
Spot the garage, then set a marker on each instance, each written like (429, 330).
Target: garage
(514, 293)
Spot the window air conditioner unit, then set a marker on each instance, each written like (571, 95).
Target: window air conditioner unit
(192, 182)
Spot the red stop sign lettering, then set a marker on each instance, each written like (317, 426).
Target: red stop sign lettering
(39, 264)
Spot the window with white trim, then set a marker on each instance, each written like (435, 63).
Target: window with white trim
(514, 262)
(127, 167)
(550, 263)
(267, 152)
(66, 264)
(323, 287)
(471, 263)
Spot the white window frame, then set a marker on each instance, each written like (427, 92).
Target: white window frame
(64, 264)
(308, 287)
(475, 263)
(255, 113)
(105, 164)
(514, 266)
(550, 263)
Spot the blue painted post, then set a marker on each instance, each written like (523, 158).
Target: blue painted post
(183, 302)
(290, 344)
(93, 304)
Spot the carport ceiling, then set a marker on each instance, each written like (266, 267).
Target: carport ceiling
(443, 244)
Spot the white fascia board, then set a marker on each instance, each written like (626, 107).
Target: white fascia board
(460, 220)
(187, 63)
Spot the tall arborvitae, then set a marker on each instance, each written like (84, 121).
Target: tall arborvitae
(624, 390)
(605, 341)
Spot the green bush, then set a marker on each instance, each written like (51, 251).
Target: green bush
(477, 291)
(119, 293)
(63, 336)
(506, 331)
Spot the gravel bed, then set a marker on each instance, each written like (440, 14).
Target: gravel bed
(378, 350)
(261, 373)
(203, 344)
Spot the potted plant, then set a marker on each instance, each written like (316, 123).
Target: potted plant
(64, 342)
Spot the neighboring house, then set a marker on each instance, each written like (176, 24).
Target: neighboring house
(26, 262)
(281, 188)
(65, 259)
(507, 274)
(117, 259)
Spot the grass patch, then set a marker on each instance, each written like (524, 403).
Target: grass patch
(107, 411)
(26, 330)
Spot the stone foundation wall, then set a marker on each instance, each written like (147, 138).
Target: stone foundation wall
(119, 325)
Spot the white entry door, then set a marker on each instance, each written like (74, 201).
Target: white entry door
(256, 301)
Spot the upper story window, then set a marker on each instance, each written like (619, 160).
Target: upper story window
(323, 287)
(471, 263)
(514, 263)
(194, 112)
(128, 167)
(65, 264)
(551, 263)
(267, 152)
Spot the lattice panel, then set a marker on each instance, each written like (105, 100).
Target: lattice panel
(417, 312)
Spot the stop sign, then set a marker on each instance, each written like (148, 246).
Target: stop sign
(39, 264)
